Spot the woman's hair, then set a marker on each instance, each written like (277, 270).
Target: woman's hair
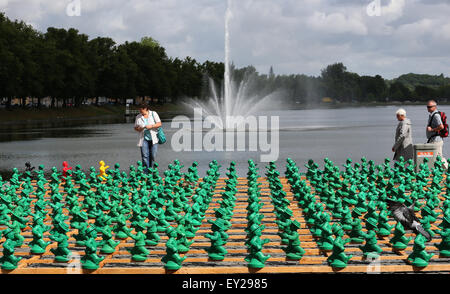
(143, 105)
(401, 111)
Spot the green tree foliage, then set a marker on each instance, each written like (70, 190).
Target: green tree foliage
(411, 81)
(150, 42)
(398, 91)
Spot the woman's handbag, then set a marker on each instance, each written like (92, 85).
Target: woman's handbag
(160, 135)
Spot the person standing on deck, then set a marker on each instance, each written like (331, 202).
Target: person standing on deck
(403, 137)
(434, 126)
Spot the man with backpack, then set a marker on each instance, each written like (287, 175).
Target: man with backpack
(437, 128)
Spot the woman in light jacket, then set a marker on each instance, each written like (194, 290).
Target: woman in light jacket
(403, 137)
(147, 124)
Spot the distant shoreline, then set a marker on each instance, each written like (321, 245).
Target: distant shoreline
(166, 111)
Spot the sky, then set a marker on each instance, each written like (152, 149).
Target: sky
(386, 37)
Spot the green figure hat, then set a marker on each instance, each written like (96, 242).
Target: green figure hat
(337, 229)
(357, 211)
(427, 209)
(254, 228)
(140, 225)
(18, 212)
(286, 212)
(90, 229)
(296, 225)
(153, 213)
(446, 218)
(171, 232)
(222, 211)
(63, 226)
(372, 221)
(220, 224)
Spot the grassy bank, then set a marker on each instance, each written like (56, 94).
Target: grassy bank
(30, 114)
(19, 114)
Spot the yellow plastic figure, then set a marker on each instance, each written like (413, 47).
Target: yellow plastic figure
(103, 169)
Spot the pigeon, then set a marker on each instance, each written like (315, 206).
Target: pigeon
(406, 216)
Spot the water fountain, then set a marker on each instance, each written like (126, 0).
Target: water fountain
(236, 101)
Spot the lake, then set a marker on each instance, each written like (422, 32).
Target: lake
(304, 134)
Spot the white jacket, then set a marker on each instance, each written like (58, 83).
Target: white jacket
(140, 122)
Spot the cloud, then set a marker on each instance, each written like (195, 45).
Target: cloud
(336, 23)
(394, 8)
(293, 36)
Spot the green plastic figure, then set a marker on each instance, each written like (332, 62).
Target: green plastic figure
(91, 260)
(78, 216)
(121, 229)
(338, 259)
(384, 228)
(428, 211)
(139, 252)
(8, 260)
(108, 244)
(356, 235)
(13, 232)
(426, 225)
(293, 249)
(38, 245)
(326, 239)
(256, 259)
(419, 257)
(218, 239)
(346, 220)
(82, 235)
(445, 224)
(444, 246)
(371, 224)
(371, 247)
(183, 243)
(172, 260)
(399, 241)
(152, 237)
(61, 252)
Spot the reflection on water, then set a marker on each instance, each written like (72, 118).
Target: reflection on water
(25, 131)
(334, 133)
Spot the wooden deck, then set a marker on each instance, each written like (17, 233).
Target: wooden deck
(197, 262)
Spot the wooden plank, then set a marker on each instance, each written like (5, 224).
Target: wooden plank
(240, 270)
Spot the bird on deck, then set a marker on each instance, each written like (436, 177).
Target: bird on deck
(407, 217)
(28, 166)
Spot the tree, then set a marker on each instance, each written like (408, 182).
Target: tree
(335, 81)
(150, 42)
(399, 92)
(373, 88)
(423, 93)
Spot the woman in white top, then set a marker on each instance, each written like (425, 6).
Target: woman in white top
(147, 124)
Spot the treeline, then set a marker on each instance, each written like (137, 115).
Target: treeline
(66, 66)
(340, 85)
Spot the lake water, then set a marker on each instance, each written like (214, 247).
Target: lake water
(304, 134)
